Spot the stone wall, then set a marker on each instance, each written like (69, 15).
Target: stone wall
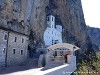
(17, 58)
(3, 44)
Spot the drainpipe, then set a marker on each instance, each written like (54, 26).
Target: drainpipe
(7, 50)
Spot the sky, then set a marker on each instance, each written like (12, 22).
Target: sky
(91, 9)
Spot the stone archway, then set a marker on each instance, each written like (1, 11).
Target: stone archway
(65, 45)
(58, 52)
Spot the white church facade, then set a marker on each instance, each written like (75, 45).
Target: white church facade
(53, 33)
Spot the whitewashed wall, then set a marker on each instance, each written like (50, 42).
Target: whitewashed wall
(52, 32)
(59, 28)
(51, 22)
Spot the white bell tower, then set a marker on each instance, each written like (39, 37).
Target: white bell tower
(51, 21)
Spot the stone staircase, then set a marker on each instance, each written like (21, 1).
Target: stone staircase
(52, 64)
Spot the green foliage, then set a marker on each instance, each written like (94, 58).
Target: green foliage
(98, 55)
(83, 68)
(87, 68)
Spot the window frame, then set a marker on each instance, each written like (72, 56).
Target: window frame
(4, 50)
(22, 51)
(14, 51)
(5, 38)
(15, 39)
(22, 40)
(52, 18)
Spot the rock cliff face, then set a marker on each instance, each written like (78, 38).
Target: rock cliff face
(27, 16)
(94, 33)
(70, 14)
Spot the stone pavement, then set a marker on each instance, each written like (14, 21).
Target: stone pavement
(20, 70)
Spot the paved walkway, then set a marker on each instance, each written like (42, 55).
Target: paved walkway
(33, 71)
(20, 70)
(29, 71)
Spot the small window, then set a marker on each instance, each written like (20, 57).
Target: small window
(52, 32)
(21, 52)
(52, 18)
(22, 40)
(14, 51)
(4, 51)
(5, 37)
(55, 53)
(15, 39)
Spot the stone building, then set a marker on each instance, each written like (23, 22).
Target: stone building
(3, 46)
(13, 48)
(53, 33)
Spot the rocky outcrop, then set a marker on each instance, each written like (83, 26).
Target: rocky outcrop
(94, 34)
(30, 15)
(11, 16)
